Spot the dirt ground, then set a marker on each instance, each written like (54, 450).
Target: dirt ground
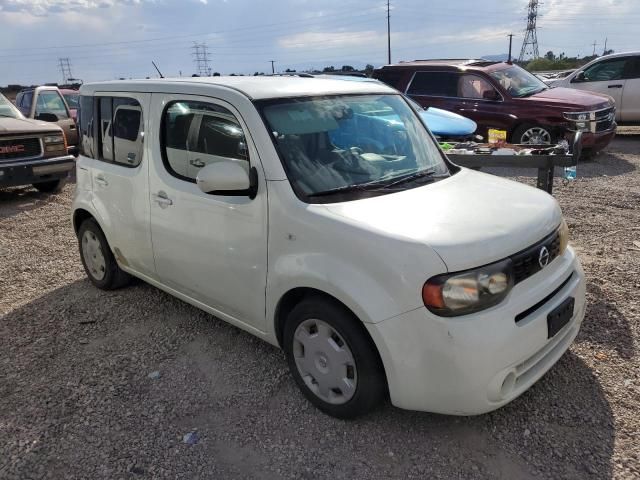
(105, 385)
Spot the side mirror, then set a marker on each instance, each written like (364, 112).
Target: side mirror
(580, 77)
(490, 95)
(47, 117)
(228, 177)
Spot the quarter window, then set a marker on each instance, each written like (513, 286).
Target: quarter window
(196, 134)
(85, 118)
(437, 84)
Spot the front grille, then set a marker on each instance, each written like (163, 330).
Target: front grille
(17, 148)
(527, 262)
(604, 119)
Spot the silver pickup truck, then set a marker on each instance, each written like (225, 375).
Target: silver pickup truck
(31, 151)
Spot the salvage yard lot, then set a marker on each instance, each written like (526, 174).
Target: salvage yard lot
(77, 399)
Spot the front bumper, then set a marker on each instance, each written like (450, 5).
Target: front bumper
(476, 363)
(35, 171)
(598, 141)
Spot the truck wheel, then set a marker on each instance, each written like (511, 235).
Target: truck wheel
(533, 135)
(332, 359)
(98, 261)
(52, 186)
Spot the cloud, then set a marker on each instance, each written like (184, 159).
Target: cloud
(46, 7)
(324, 39)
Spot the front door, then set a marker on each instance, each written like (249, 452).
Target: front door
(605, 77)
(211, 248)
(630, 104)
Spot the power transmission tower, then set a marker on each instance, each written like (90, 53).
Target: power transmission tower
(530, 43)
(65, 69)
(201, 59)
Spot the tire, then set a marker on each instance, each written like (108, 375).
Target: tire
(335, 336)
(99, 263)
(52, 186)
(524, 133)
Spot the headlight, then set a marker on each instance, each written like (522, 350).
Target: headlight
(563, 233)
(462, 293)
(53, 139)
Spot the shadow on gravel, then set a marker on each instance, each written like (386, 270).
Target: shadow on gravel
(606, 324)
(16, 200)
(76, 400)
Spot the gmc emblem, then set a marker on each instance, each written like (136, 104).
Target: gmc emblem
(11, 149)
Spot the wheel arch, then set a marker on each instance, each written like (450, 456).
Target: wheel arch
(79, 216)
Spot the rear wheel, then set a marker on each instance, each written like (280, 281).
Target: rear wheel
(49, 187)
(332, 359)
(98, 261)
(533, 135)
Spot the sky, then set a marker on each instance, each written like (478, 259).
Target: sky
(107, 39)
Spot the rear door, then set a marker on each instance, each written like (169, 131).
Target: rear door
(605, 77)
(435, 89)
(630, 104)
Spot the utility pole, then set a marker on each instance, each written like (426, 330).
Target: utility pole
(65, 69)
(273, 68)
(510, 43)
(594, 49)
(604, 52)
(201, 59)
(388, 32)
(530, 36)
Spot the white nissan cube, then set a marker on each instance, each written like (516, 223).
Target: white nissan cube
(321, 216)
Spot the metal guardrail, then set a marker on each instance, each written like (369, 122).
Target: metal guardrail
(544, 163)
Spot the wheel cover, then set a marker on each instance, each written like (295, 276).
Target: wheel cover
(536, 136)
(93, 255)
(325, 362)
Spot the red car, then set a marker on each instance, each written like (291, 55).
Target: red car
(72, 97)
(504, 96)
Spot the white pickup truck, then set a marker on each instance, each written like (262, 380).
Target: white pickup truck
(321, 216)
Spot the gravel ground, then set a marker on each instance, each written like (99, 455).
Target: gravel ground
(105, 385)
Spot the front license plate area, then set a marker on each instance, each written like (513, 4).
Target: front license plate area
(560, 316)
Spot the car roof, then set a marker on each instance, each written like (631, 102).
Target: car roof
(254, 87)
(444, 62)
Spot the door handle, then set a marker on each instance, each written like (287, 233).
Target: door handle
(100, 180)
(617, 85)
(72, 127)
(162, 199)
(197, 163)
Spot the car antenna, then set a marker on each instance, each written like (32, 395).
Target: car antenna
(156, 67)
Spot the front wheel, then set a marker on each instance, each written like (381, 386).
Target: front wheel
(533, 135)
(332, 359)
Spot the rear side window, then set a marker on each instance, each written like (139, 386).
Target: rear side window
(390, 77)
(633, 68)
(121, 131)
(86, 126)
(195, 134)
(437, 84)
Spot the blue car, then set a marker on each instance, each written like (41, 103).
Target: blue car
(442, 123)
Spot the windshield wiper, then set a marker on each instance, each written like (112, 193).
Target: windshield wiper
(347, 188)
(430, 173)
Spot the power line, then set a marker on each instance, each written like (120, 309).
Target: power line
(201, 59)
(531, 36)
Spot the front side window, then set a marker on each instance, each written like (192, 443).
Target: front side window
(345, 147)
(518, 82)
(196, 134)
(72, 99)
(437, 84)
(121, 130)
(51, 102)
(605, 71)
(473, 86)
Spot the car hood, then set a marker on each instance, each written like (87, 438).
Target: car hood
(470, 219)
(445, 123)
(21, 126)
(571, 97)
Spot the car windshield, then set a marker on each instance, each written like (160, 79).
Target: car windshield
(72, 99)
(7, 109)
(352, 145)
(518, 82)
